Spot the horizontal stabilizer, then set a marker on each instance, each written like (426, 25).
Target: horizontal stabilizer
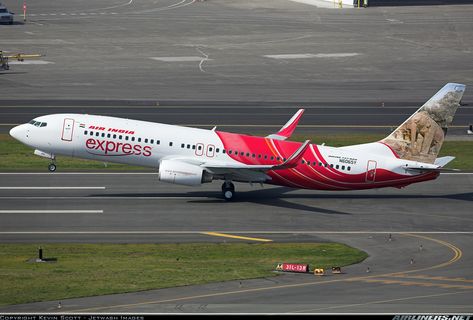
(443, 161)
(438, 166)
(287, 130)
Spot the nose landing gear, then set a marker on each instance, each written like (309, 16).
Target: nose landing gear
(228, 190)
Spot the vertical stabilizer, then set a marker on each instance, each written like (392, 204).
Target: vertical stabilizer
(421, 136)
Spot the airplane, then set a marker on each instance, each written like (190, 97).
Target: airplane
(18, 56)
(192, 156)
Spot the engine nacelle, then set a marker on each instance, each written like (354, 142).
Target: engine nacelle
(183, 173)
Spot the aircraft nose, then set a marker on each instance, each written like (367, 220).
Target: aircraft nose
(15, 132)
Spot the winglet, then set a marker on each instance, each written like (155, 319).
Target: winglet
(293, 160)
(287, 130)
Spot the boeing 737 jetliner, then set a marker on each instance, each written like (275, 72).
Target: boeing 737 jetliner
(191, 156)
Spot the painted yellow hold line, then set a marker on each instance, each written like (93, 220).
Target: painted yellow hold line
(217, 234)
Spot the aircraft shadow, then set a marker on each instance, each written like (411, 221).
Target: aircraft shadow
(277, 197)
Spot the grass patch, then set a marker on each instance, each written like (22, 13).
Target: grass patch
(14, 156)
(92, 269)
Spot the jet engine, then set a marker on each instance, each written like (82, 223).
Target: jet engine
(183, 173)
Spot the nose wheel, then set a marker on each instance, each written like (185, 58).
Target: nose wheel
(52, 167)
(228, 190)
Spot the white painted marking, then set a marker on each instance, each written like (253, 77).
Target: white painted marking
(52, 188)
(310, 55)
(63, 14)
(236, 232)
(29, 32)
(141, 173)
(104, 198)
(38, 62)
(82, 14)
(32, 15)
(72, 14)
(117, 6)
(76, 173)
(179, 59)
(51, 211)
(52, 14)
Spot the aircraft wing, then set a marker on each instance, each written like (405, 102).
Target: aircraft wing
(246, 172)
(287, 130)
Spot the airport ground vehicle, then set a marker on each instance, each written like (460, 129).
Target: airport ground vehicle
(5, 15)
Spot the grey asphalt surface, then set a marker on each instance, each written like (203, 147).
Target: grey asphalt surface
(106, 57)
(135, 207)
(104, 50)
(262, 120)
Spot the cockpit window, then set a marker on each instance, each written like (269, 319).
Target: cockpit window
(38, 124)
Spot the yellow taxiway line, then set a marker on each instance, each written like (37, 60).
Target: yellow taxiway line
(217, 234)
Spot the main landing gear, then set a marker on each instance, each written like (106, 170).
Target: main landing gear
(228, 190)
(52, 167)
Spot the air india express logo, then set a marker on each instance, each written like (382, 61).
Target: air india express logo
(117, 149)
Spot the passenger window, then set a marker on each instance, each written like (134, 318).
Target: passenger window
(303, 161)
(331, 165)
(193, 147)
(278, 158)
(170, 144)
(253, 155)
(217, 150)
(146, 140)
(343, 167)
(188, 146)
(223, 150)
(229, 151)
(120, 137)
(199, 148)
(242, 153)
(103, 135)
(85, 132)
(336, 167)
(349, 168)
(97, 134)
(151, 141)
(158, 142)
(127, 137)
(139, 139)
(182, 145)
(132, 138)
(91, 133)
(114, 136)
(272, 158)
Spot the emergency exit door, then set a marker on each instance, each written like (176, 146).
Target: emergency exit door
(371, 171)
(67, 129)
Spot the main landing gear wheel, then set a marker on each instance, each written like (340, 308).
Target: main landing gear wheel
(52, 167)
(228, 190)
